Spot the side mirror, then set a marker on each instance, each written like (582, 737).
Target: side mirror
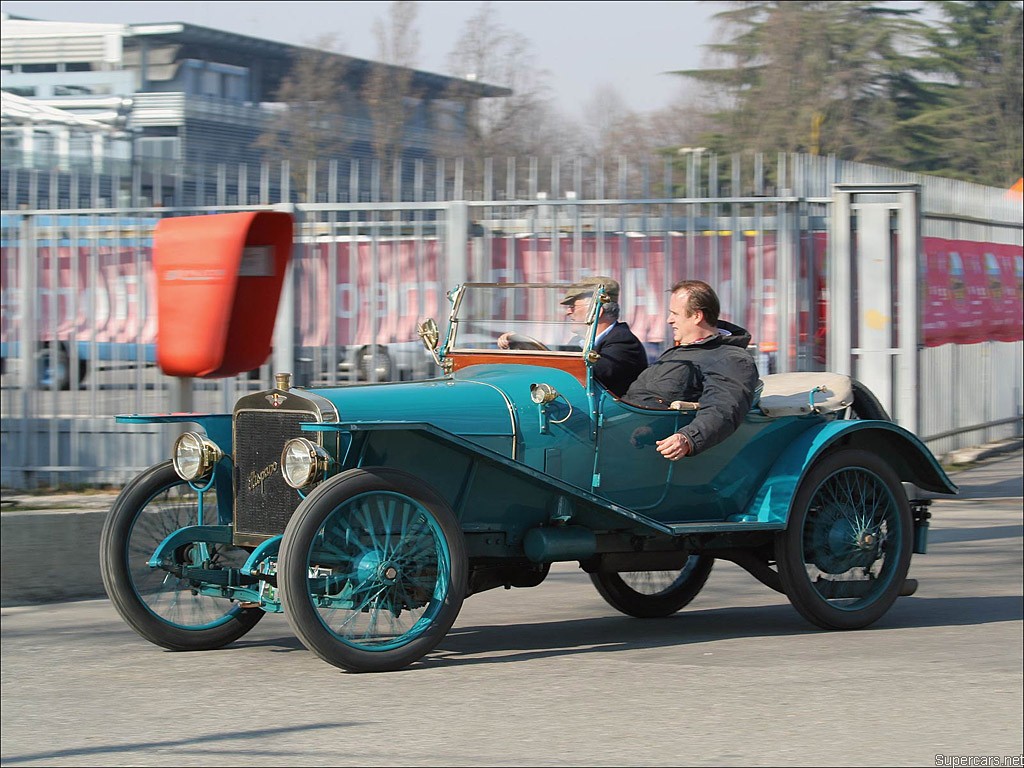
(429, 334)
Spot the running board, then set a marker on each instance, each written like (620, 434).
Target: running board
(680, 529)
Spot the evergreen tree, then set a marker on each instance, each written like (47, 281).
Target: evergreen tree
(813, 76)
(972, 129)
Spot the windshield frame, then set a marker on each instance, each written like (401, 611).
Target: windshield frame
(456, 297)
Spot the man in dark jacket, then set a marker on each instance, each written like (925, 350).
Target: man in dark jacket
(622, 356)
(708, 365)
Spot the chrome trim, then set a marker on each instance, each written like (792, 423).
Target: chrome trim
(317, 457)
(511, 414)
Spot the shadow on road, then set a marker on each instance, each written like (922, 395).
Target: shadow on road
(193, 743)
(981, 533)
(603, 634)
(622, 633)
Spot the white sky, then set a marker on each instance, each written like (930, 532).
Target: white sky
(584, 45)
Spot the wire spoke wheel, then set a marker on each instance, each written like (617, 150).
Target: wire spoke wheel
(651, 594)
(373, 570)
(846, 553)
(161, 604)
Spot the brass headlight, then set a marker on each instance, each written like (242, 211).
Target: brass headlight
(303, 462)
(195, 456)
(542, 393)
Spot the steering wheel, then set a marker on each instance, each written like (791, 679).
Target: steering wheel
(521, 341)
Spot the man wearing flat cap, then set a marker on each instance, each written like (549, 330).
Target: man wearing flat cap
(621, 354)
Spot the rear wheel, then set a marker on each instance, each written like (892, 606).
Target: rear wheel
(652, 594)
(845, 554)
(160, 606)
(372, 570)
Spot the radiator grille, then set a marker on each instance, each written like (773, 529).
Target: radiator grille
(263, 501)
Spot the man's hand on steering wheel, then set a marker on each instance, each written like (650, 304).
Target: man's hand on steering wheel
(513, 340)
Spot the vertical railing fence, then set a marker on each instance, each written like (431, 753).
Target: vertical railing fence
(372, 259)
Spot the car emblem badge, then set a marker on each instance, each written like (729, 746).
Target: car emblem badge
(276, 398)
(256, 479)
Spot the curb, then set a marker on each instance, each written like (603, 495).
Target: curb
(979, 452)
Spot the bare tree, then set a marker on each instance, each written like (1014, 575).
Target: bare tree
(308, 120)
(523, 124)
(389, 91)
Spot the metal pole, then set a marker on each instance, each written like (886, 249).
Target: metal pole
(840, 287)
(911, 284)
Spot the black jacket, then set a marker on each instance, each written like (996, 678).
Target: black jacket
(623, 358)
(718, 373)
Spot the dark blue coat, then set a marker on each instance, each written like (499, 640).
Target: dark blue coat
(622, 359)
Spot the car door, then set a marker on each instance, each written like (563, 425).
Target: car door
(627, 466)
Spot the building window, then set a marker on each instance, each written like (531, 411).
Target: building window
(82, 90)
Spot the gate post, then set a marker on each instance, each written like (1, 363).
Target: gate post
(839, 280)
(873, 292)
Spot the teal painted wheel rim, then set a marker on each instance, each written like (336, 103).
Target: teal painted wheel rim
(852, 537)
(168, 597)
(379, 571)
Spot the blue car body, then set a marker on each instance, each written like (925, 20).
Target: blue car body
(530, 480)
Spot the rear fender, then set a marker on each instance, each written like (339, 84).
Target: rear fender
(902, 450)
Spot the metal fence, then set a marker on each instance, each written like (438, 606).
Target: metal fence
(79, 317)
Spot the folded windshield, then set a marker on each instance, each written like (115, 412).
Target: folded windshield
(529, 317)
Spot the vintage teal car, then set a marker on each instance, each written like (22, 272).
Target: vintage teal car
(368, 513)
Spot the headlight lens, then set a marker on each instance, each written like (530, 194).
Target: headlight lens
(195, 456)
(303, 462)
(542, 393)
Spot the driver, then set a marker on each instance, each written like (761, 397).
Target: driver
(621, 355)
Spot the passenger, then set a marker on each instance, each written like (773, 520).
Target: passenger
(622, 356)
(708, 365)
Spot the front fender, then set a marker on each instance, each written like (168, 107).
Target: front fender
(902, 450)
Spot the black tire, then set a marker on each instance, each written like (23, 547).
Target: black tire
(866, 405)
(53, 367)
(845, 554)
(386, 561)
(653, 594)
(375, 364)
(159, 606)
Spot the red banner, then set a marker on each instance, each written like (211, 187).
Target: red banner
(974, 292)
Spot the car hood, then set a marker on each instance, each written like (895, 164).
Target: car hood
(462, 407)
(478, 400)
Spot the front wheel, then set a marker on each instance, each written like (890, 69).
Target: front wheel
(653, 594)
(160, 606)
(372, 570)
(845, 554)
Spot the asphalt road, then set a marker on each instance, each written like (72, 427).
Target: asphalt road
(554, 676)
